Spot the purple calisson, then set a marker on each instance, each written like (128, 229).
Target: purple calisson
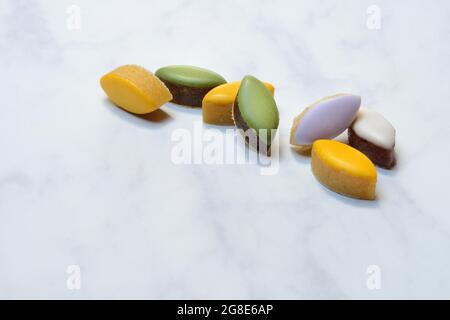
(324, 119)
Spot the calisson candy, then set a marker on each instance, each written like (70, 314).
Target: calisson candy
(135, 89)
(343, 169)
(374, 136)
(189, 84)
(256, 113)
(324, 119)
(217, 105)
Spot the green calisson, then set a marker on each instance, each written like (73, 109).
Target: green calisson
(189, 84)
(256, 109)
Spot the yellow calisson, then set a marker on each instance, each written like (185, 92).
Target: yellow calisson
(135, 89)
(217, 105)
(343, 169)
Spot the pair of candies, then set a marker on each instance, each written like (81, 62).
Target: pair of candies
(249, 104)
(346, 169)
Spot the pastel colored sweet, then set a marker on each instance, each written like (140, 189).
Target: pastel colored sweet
(189, 84)
(374, 136)
(324, 119)
(256, 109)
(135, 89)
(217, 105)
(343, 169)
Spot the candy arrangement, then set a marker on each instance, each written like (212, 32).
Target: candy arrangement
(249, 104)
(345, 169)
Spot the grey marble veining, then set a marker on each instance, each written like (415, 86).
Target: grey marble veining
(85, 183)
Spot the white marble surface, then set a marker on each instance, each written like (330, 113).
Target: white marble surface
(84, 183)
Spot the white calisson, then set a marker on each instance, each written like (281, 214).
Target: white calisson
(374, 136)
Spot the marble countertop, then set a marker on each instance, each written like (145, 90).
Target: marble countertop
(88, 190)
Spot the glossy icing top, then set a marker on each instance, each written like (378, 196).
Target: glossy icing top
(257, 107)
(373, 127)
(342, 157)
(190, 76)
(325, 119)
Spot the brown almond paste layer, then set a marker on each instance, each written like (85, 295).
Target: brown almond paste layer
(186, 96)
(382, 157)
(251, 135)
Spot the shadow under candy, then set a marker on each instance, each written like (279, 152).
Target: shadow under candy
(220, 128)
(302, 155)
(351, 201)
(387, 172)
(185, 109)
(151, 120)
